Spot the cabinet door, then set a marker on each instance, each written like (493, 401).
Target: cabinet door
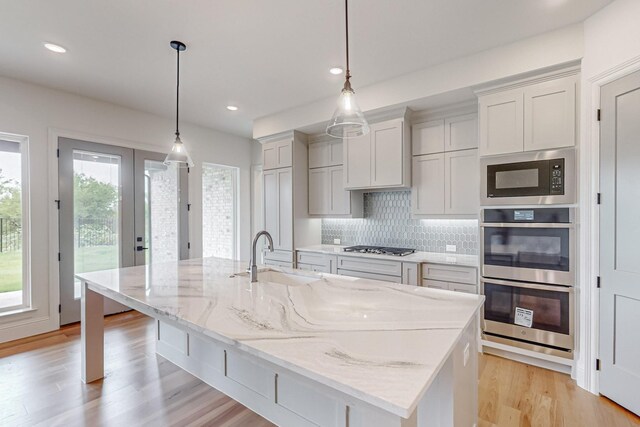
(427, 138)
(269, 155)
(387, 153)
(502, 123)
(325, 153)
(319, 191)
(461, 132)
(339, 198)
(461, 186)
(285, 210)
(550, 114)
(427, 193)
(335, 153)
(284, 150)
(270, 194)
(357, 160)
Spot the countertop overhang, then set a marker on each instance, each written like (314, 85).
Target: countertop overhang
(379, 342)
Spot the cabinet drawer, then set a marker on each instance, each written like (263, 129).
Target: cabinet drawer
(284, 256)
(307, 402)
(459, 287)
(313, 258)
(450, 273)
(283, 264)
(436, 284)
(390, 268)
(373, 276)
(312, 267)
(250, 374)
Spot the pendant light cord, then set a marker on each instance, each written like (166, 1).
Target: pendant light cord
(177, 91)
(346, 19)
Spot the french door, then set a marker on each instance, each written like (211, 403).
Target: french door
(119, 207)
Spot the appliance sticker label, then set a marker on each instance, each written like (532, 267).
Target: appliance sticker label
(527, 215)
(524, 317)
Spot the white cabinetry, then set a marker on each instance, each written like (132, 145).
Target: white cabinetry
(380, 159)
(450, 277)
(407, 273)
(285, 192)
(445, 167)
(327, 196)
(319, 262)
(531, 116)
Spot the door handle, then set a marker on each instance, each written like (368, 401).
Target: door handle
(141, 248)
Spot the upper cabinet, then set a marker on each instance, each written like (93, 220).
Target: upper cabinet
(530, 117)
(327, 196)
(380, 159)
(277, 154)
(445, 167)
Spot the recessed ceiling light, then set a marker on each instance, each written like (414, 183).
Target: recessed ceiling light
(55, 48)
(232, 108)
(335, 70)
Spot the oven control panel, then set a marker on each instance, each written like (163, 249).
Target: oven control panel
(556, 169)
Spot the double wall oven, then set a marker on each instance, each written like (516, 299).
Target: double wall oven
(528, 272)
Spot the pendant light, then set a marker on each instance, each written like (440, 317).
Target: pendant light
(178, 155)
(347, 120)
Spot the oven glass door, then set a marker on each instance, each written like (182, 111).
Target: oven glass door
(527, 247)
(518, 179)
(542, 307)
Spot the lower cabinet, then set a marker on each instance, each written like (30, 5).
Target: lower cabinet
(450, 277)
(318, 262)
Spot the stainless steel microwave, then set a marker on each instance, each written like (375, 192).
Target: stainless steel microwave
(536, 178)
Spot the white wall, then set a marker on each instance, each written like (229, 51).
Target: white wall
(611, 49)
(535, 53)
(38, 112)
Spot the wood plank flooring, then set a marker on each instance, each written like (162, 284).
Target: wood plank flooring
(40, 385)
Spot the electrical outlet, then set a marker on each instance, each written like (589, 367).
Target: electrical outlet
(336, 241)
(451, 248)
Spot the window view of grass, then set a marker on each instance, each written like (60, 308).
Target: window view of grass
(10, 224)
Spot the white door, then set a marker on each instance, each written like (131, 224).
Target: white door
(461, 187)
(501, 122)
(619, 237)
(319, 191)
(340, 199)
(357, 158)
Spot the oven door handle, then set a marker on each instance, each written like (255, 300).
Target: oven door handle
(525, 225)
(554, 288)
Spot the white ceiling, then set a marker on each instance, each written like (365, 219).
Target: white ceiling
(264, 56)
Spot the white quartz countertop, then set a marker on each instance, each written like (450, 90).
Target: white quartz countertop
(380, 342)
(417, 257)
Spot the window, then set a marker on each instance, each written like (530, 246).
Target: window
(219, 211)
(14, 249)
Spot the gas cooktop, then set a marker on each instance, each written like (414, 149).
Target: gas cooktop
(380, 250)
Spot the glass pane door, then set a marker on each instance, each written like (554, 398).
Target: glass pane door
(95, 188)
(161, 209)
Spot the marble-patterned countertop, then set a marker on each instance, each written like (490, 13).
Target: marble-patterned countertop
(417, 257)
(380, 342)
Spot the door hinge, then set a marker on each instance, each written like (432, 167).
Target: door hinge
(59, 308)
(58, 153)
(59, 256)
(188, 245)
(597, 364)
(57, 202)
(188, 206)
(599, 114)
(188, 170)
(598, 282)
(599, 198)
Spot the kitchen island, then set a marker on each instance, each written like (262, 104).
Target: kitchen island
(301, 348)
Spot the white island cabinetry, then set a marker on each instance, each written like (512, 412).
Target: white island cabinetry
(301, 348)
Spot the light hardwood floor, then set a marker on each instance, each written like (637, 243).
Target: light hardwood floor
(40, 385)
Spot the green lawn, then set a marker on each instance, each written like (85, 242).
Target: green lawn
(10, 271)
(87, 259)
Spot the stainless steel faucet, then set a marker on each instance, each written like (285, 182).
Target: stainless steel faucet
(253, 268)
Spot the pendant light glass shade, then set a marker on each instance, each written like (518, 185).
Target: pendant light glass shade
(347, 120)
(179, 155)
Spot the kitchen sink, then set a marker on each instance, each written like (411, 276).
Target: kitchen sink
(275, 276)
